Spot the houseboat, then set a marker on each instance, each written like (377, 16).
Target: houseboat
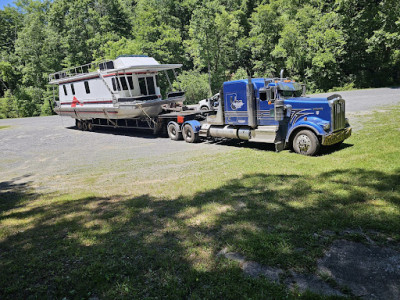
(123, 88)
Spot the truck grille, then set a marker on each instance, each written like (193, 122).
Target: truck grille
(338, 115)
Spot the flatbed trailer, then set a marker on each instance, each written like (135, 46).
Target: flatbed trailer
(158, 124)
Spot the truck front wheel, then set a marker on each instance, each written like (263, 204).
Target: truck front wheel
(306, 142)
(189, 135)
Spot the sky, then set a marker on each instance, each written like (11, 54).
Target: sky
(5, 2)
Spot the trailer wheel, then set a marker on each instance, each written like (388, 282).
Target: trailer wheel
(173, 132)
(90, 126)
(189, 135)
(306, 142)
(84, 125)
(78, 124)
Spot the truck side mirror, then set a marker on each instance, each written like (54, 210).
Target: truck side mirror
(265, 94)
(303, 86)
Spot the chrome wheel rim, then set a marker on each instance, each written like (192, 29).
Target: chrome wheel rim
(304, 143)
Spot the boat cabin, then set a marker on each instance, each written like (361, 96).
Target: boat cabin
(125, 79)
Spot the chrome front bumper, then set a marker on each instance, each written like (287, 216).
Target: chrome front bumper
(336, 137)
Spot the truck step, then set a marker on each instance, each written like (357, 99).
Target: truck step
(266, 134)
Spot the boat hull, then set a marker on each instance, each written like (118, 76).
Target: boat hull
(125, 110)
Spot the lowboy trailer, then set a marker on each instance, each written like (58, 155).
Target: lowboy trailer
(268, 110)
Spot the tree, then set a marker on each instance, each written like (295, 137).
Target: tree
(213, 44)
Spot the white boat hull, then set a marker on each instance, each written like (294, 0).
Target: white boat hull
(125, 110)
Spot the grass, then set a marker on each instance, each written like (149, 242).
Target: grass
(156, 233)
(4, 127)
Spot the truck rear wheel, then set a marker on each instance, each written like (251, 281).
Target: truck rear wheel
(306, 142)
(189, 135)
(173, 132)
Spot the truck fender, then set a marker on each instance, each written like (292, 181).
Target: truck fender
(195, 125)
(317, 129)
(175, 124)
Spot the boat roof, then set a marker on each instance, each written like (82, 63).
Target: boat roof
(146, 68)
(134, 63)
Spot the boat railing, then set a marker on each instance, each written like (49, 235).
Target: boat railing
(81, 70)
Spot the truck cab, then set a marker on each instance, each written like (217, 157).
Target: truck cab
(276, 110)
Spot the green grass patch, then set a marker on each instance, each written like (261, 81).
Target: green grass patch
(4, 126)
(156, 234)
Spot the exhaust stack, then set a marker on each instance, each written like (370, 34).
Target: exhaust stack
(251, 104)
(282, 75)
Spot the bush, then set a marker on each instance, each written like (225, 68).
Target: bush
(195, 85)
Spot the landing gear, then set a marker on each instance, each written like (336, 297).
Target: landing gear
(306, 142)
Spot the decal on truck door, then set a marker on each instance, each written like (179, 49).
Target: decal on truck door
(234, 102)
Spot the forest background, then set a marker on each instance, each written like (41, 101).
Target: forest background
(327, 44)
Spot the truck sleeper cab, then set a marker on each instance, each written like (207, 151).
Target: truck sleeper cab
(273, 110)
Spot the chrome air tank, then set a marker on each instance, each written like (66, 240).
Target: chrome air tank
(229, 132)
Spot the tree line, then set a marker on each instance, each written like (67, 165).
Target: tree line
(327, 44)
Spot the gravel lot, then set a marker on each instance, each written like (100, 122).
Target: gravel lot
(49, 153)
(367, 100)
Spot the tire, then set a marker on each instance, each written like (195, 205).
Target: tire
(90, 126)
(173, 132)
(78, 124)
(189, 135)
(204, 108)
(84, 125)
(306, 143)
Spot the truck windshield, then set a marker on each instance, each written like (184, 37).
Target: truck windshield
(290, 89)
(288, 94)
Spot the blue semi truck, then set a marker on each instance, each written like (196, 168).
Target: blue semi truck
(269, 110)
(266, 110)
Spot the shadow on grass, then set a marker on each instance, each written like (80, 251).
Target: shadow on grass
(335, 148)
(13, 193)
(154, 247)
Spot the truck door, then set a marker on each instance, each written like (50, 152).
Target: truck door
(265, 113)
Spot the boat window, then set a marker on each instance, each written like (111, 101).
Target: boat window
(142, 85)
(65, 90)
(72, 89)
(146, 85)
(150, 86)
(123, 83)
(115, 84)
(130, 81)
(87, 87)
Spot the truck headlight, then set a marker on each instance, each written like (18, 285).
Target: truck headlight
(327, 126)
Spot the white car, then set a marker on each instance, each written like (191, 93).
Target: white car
(209, 103)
